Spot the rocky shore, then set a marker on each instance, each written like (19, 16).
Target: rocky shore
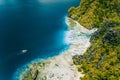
(61, 67)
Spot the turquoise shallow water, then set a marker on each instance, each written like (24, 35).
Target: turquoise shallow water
(34, 25)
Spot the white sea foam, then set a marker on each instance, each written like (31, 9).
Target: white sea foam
(61, 66)
(78, 37)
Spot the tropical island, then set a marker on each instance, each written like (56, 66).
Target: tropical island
(93, 54)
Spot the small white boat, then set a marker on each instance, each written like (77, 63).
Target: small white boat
(24, 51)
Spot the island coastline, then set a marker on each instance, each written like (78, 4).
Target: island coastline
(61, 67)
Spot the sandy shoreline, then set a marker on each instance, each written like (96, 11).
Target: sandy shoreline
(61, 67)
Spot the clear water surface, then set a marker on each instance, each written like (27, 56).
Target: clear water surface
(33, 25)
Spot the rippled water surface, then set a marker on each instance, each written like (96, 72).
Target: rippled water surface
(30, 29)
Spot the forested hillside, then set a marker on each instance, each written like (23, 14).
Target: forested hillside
(95, 12)
(102, 59)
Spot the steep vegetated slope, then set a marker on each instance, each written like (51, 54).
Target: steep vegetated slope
(95, 12)
(102, 59)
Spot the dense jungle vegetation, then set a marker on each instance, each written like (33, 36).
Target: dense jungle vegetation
(102, 59)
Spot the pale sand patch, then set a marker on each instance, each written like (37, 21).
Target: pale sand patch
(61, 67)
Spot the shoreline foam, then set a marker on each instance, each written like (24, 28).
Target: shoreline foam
(61, 67)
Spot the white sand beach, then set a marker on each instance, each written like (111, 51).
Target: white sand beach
(61, 67)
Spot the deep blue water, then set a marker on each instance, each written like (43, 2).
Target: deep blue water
(35, 25)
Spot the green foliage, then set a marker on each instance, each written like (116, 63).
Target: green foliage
(102, 59)
(95, 12)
